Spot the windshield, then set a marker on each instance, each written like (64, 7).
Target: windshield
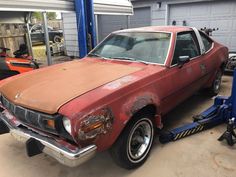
(136, 46)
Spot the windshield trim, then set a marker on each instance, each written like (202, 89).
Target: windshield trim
(168, 51)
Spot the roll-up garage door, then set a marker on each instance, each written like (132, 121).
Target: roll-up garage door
(141, 17)
(217, 14)
(110, 23)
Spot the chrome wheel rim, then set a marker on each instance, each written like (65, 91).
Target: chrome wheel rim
(140, 140)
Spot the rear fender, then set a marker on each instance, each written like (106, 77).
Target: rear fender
(222, 60)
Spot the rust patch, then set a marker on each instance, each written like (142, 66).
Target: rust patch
(140, 103)
(95, 124)
(158, 121)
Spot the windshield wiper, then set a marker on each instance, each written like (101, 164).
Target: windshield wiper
(96, 55)
(144, 62)
(131, 59)
(124, 58)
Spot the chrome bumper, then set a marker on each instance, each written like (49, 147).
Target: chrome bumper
(66, 154)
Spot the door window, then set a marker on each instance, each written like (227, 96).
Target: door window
(186, 45)
(206, 41)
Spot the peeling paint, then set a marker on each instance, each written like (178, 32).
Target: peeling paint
(104, 118)
(140, 103)
(118, 83)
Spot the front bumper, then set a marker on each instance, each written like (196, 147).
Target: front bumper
(62, 151)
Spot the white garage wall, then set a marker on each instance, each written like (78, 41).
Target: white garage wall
(70, 34)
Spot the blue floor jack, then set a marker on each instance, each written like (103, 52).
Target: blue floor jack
(222, 111)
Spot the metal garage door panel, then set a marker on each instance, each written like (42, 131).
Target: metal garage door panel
(194, 15)
(110, 23)
(211, 15)
(141, 17)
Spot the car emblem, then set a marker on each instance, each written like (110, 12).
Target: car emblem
(17, 95)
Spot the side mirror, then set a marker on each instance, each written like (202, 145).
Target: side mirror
(183, 60)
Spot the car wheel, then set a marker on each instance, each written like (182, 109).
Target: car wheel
(134, 144)
(216, 85)
(57, 39)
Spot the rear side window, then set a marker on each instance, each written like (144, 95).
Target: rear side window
(186, 45)
(206, 41)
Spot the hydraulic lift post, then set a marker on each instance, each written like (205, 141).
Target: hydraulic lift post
(222, 111)
(233, 95)
(86, 26)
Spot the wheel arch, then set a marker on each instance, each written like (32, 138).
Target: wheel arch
(148, 109)
(143, 103)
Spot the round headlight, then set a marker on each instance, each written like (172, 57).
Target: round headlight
(67, 124)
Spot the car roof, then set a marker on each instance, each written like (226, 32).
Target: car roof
(170, 29)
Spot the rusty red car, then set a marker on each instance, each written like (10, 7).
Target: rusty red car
(114, 98)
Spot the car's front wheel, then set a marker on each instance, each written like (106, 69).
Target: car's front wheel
(134, 144)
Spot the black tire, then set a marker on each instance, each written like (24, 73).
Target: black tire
(216, 84)
(132, 138)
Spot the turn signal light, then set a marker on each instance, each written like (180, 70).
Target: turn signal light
(95, 124)
(92, 126)
(51, 123)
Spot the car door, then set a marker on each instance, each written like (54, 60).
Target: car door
(208, 56)
(187, 78)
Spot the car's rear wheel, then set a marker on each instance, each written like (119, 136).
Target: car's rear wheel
(216, 84)
(134, 144)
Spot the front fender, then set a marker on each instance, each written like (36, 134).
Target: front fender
(123, 111)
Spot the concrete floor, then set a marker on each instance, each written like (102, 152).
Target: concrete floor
(200, 155)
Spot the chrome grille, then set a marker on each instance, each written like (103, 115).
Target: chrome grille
(34, 118)
(5, 102)
(20, 113)
(28, 116)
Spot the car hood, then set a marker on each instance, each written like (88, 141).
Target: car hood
(46, 90)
